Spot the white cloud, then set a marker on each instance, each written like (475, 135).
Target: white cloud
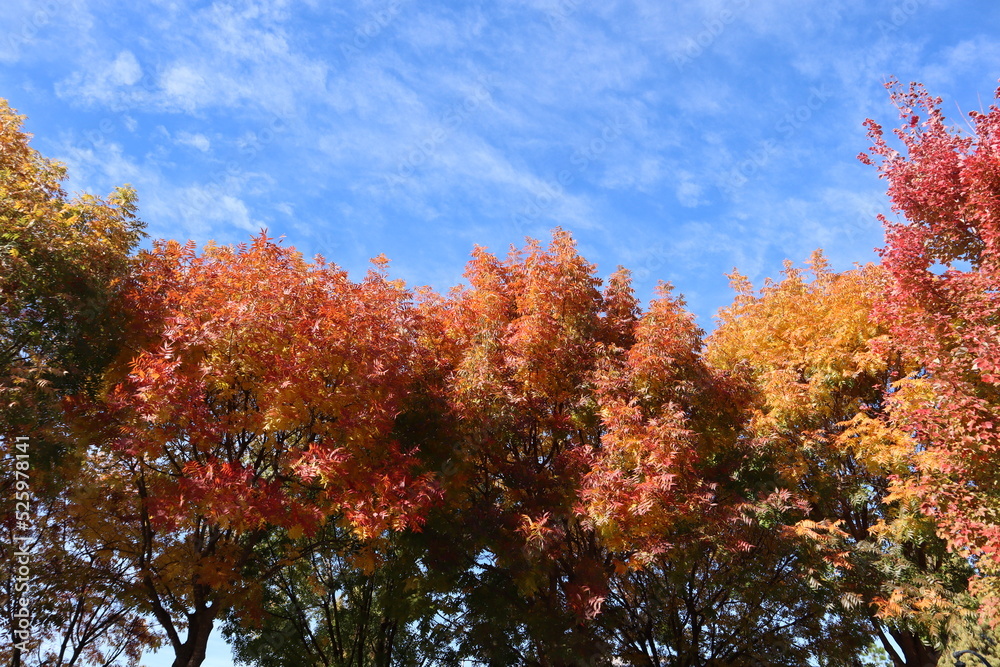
(103, 82)
(978, 54)
(185, 87)
(221, 56)
(34, 31)
(563, 70)
(125, 70)
(632, 172)
(428, 31)
(98, 164)
(196, 140)
(689, 193)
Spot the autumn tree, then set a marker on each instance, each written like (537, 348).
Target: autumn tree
(65, 263)
(596, 457)
(81, 614)
(361, 603)
(823, 374)
(706, 571)
(260, 398)
(942, 305)
(347, 604)
(517, 350)
(668, 435)
(708, 601)
(529, 469)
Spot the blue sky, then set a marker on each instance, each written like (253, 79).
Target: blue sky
(678, 139)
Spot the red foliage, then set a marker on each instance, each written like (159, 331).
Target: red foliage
(262, 396)
(944, 309)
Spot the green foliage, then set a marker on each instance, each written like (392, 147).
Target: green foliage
(970, 634)
(709, 605)
(344, 604)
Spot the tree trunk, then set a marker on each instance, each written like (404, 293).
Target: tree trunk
(911, 651)
(192, 652)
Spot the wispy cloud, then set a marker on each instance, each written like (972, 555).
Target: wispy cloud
(194, 140)
(687, 138)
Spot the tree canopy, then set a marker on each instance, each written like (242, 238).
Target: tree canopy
(529, 469)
